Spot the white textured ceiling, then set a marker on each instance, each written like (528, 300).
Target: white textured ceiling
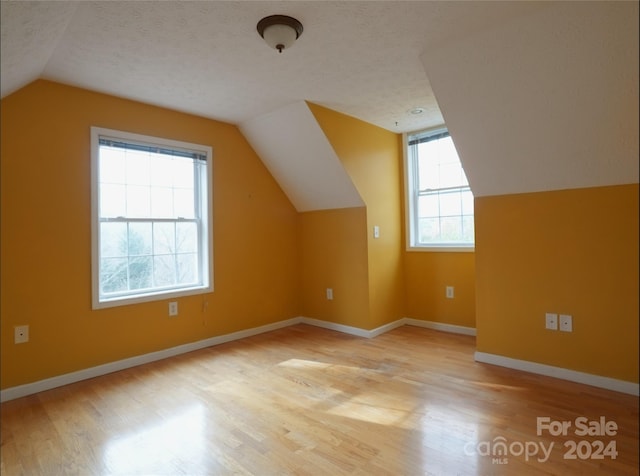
(537, 95)
(206, 57)
(544, 102)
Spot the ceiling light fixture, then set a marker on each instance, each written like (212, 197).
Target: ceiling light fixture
(416, 111)
(279, 31)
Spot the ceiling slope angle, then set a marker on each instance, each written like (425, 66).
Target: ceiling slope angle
(543, 102)
(29, 39)
(296, 151)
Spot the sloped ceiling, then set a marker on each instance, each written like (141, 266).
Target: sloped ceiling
(361, 58)
(31, 32)
(305, 166)
(537, 95)
(546, 101)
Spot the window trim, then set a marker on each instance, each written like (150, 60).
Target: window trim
(409, 186)
(206, 240)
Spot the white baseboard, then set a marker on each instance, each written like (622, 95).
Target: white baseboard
(622, 386)
(60, 380)
(440, 326)
(405, 321)
(355, 331)
(65, 379)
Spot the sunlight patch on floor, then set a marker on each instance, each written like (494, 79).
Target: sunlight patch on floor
(156, 448)
(371, 414)
(304, 364)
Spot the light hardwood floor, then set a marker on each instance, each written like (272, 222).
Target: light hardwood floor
(309, 401)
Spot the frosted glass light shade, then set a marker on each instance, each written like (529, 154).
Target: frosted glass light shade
(280, 37)
(279, 31)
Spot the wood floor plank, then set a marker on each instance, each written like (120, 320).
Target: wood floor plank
(309, 401)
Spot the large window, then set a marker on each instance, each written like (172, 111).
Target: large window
(151, 218)
(440, 202)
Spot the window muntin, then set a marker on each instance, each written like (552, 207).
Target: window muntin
(440, 201)
(152, 220)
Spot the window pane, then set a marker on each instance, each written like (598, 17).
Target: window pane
(451, 229)
(164, 238)
(113, 201)
(451, 175)
(140, 272)
(184, 203)
(113, 240)
(429, 206)
(164, 270)
(138, 171)
(429, 230)
(468, 234)
(152, 216)
(186, 237)
(429, 171)
(162, 202)
(140, 239)
(138, 201)
(443, 203)
(467, 203)
(183, 173)
(112, 166)
(161, 172)
(450, 204)
(187, 264)
(113, 275)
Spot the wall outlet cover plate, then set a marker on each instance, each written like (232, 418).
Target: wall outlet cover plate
(551, 321)
(21, 334)
(566, 323)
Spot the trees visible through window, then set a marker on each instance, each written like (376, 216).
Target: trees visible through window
(151, 218)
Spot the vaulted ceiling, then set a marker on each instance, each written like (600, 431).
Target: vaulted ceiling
(547, 101)
(537, 95)
(206, 57)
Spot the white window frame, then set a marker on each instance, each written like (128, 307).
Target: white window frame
(204, 216)
(411, 197)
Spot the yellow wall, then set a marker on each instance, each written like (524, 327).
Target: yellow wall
(333, 254)
(372, 157)
(571, 252)
(427, 274)
(45, 269)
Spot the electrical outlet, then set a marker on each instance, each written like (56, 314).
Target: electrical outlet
(173, 309)
(449, 292)
(566, 323)
(329, 294)
(20, 334)
(551, 321)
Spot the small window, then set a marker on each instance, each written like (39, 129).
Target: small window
(440, 201)
(151, 218)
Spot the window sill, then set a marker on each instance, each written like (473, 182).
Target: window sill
(442, 249)
(150, 297)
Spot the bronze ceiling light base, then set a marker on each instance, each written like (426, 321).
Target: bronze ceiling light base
(279, 31)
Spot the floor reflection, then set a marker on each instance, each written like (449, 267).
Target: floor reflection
(446, 436)
(158, 448)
